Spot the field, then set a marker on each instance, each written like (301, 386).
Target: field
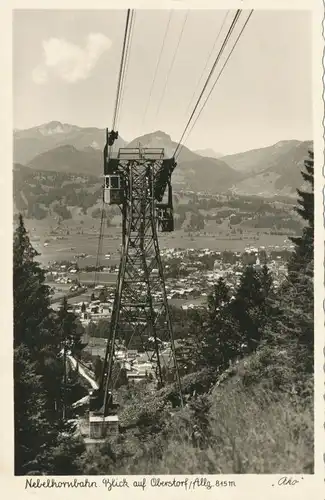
(72, 244)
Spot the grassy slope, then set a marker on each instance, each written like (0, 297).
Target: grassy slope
(249, 434)
(252, 429)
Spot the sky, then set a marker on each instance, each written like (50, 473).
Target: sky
(65, 68)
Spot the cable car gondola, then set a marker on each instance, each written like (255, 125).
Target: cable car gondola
(113, 190)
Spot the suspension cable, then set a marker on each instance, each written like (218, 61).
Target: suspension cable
(157, 67)
(100, 243)
(130, 15)
(207, 61)
(218, 77)
(172, 63)
(234, 22)
(126, 65)
(122, 64)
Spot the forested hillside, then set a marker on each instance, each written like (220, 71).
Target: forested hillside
(67, 197)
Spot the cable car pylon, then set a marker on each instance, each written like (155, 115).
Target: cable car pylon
(137, 180)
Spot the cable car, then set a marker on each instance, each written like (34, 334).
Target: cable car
(165, 218)
(163, 176)
(165, 212)
(113, 191)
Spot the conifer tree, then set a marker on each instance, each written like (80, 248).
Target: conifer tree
(304, 245)
(34, 436)
(294, 325)
(221, 340)
(301, 272)
(188, 351)
(37, 367)
(32, 318)
(214, 336)
(251, 307)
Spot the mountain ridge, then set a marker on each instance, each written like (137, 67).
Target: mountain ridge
(64, 147)
(247, 161)
(28, 143)
(193, 171)
(209, 153)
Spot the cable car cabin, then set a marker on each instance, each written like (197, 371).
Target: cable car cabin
(162, 179)
(113, 191)
(165, 218)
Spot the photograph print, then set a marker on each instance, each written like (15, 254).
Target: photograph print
(163, 242)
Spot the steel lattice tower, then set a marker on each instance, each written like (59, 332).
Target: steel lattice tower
(140, 307)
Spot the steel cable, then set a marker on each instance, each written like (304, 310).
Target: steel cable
(126, 33)
(234, 22)
(207, 61)
(157, 67)
(218, 77)
(126, 65)
(172, 64)
(121, 77)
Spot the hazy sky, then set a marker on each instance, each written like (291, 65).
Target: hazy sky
(66, 66)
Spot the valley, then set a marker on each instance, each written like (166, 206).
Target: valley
(221, 204)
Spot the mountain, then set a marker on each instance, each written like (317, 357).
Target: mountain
(256, 160)
(193, 172)
(36, 140)
(70, 160)
(160, 139)
(277, 173)
(70, 149)
(209, 153)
